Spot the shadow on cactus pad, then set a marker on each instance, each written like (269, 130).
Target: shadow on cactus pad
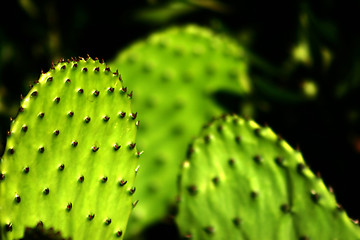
(41, 233)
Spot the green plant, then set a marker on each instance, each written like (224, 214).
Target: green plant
(241, 181)
(175, 74)
(71, 157)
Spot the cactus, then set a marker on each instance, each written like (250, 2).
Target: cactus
(70, 159)
(242, 181)
(175, 74)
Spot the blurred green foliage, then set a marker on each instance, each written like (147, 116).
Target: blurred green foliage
(305, 58)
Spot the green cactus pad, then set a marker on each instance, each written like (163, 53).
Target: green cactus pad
(241, 181)
(174, 74)
(70, 160)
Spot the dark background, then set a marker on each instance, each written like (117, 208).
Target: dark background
(325, 125)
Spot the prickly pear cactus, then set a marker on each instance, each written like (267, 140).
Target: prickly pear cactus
(175, 74)
(70, 159)
(241, 181)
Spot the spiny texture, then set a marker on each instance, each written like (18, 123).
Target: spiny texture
(175, 74)
(70, 159)
(241, 181)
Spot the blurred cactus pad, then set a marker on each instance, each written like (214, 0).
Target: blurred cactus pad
(71, 158)
(242, 181)
(175, 74)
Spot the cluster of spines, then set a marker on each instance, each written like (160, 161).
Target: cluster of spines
(87, 119)
(46, 191)
(74, 143)
(74, 60)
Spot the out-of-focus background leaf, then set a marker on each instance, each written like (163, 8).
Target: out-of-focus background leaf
(305, 60)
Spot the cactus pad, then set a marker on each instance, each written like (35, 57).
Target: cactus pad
(241, 181)
(70, 159)
(175, 74)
